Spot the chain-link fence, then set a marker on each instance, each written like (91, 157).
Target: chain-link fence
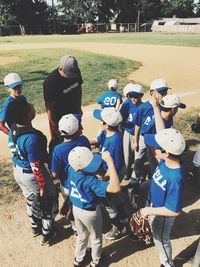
(67, 28)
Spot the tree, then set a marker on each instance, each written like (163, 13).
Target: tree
(24, 12)
(180, 8)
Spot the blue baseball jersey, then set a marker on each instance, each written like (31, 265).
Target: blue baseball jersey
(166, 188)
(109, 99)
(26, 150)
(113, 144)
(144, 115)
(128, 112)
(60, 156)
(151, 129)
(4, 112)
(86, 191)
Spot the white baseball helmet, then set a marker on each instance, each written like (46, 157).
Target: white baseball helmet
(131, 87)
(172, 101)
(113, 84)
(110, 115)
(82, 158)
(170, 140)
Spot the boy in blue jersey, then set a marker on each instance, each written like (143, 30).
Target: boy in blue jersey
(166, 110)
(70, 128)
(144, 115)
(166, 189)
(28, 146)
(86, 193)
(134, 93)
(110, 139)
(110, 98)
(13, 84)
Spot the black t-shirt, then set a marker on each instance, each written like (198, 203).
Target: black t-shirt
(66, 93)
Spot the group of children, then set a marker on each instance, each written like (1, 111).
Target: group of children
(131, 132)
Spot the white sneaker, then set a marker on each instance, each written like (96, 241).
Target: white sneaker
(115, 233)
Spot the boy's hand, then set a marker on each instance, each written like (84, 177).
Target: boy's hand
(154, 100)
(135, 146)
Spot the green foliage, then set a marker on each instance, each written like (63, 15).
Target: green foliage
(180, 8)
(24, 12)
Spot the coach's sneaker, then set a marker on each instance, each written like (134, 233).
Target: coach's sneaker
(115, 233)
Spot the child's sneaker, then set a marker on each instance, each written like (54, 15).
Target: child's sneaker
(36, 231)
(115, 233)
(48, 239)
(77, 263)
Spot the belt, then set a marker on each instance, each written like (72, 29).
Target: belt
(91, 209)
(24, 170)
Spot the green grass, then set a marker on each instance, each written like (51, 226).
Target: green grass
(34, 66)
(179, 39)
(8, 186)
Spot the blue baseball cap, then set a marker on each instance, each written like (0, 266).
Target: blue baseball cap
(82, 158)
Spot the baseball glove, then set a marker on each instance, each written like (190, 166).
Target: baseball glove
(141, 227)
(195, 128)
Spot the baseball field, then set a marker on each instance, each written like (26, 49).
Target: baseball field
(127, 57)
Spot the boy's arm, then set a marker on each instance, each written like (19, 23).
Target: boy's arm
(93, 142)
(158, 118)
(161, 211)
(114, 184)
(3, 128)
(136, 139)
(118, 103)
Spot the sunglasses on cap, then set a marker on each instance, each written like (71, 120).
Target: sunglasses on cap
(134, 95)
(163, 93)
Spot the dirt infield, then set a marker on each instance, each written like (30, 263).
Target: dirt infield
(180, 66)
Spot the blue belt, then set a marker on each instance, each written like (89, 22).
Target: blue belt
(24, 170)
(91, 209)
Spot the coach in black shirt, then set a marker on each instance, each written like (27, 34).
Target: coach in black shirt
(62, 91)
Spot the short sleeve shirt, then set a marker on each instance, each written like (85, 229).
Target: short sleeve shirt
(26, 150)
(65, 93)
(128, 112)
(166, 188)
(4, 111)
(113, 144)
(60, 156)
(109, 99)
(86, 191)
(144, 115)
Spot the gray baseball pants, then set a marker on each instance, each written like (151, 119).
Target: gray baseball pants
(196, 262)
(128, 150)
(88, 223)
(28, 184)
(161, 226)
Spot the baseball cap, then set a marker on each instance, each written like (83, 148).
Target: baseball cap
(172, 101)
(138, 89)
(69, 124)
(170, 140)
(81, 158)
(113, 84)
(69, 65)
(110, 115)
(12, 80)
(159, 85)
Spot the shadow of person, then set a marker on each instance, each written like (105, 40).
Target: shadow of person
(63, 230)
(121, 249)
(186, 254)
(187, 224)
